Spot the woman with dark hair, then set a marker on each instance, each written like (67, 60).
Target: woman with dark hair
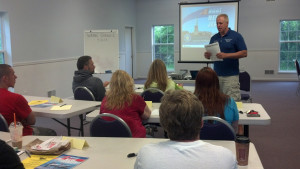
(216, 103)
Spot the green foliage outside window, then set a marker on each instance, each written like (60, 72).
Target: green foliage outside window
(1, 58)
(1, 46)
(163, 45)
(0, 36)
(289, 44)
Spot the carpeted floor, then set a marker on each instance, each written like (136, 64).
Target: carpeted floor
(277, 144)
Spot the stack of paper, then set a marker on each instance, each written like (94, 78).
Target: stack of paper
(50, 144)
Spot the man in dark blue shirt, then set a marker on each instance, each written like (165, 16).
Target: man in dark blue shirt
(232, 47)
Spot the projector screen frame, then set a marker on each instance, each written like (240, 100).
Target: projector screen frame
(180, 26)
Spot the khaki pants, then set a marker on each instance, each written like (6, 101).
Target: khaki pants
(230, 86)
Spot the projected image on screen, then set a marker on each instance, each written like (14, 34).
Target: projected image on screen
(198, 25)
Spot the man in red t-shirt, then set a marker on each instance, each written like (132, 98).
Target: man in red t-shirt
(11, 103)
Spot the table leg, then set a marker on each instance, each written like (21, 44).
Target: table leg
(81, 124)
(68, 126)
(246, 130)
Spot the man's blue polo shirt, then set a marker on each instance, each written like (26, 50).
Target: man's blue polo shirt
(231, 42)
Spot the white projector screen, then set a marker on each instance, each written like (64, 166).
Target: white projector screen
(198, 25)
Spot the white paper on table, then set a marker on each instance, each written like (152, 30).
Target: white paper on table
(155, 112)
(50, 143)
(213, 48)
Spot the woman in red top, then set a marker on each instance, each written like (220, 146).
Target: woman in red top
(121, 100)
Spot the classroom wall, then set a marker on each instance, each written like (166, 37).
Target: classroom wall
(47, 38)
(258, 23)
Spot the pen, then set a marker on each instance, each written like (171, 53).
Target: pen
(28, 153)
(62, 105)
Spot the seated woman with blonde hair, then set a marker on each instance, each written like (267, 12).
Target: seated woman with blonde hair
(158, 77)
(215, 103)
(121, 100)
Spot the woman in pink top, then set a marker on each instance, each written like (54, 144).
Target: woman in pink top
(121, 100)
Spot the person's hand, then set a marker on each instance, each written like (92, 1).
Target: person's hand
(106, 83)
(207, 55)
(221, 55)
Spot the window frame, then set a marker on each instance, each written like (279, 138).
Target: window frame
(172, 45)
(2, 47)
(290, 61)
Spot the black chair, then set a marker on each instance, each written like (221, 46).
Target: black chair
(3, 124)
(104, 128)
(245, 86)
(215, 128)
(83, 93)
(298, 75)
(152, 94)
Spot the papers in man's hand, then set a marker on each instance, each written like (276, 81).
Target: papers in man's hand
(213, 48)
(50, 144)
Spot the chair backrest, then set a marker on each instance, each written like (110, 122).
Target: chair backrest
(3, 124)
(104, 128)
(245, 81)
(152, 94)
(83, 93)
(297, 68)
(218, 130)
(245, 85)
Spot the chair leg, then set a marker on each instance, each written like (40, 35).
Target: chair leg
(150, 129)
(298, 90)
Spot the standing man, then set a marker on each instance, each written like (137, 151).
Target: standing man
(13, 103)
(232, 47)
(84, 77)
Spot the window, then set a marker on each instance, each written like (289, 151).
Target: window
(1, 42)
(289, 44)
(163, 45)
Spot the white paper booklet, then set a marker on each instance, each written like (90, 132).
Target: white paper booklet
(213, 48)
(50, 143)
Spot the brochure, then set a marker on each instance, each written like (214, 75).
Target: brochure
(63, 161)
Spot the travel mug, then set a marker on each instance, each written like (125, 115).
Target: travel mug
(242, 150)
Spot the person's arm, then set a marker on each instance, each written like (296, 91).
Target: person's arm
(106, 83)
(235, 126)
(30, 120)
(207, 55)
(236, 55)
(9, 158)
(146, 114)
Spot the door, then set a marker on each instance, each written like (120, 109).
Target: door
(128, 52)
